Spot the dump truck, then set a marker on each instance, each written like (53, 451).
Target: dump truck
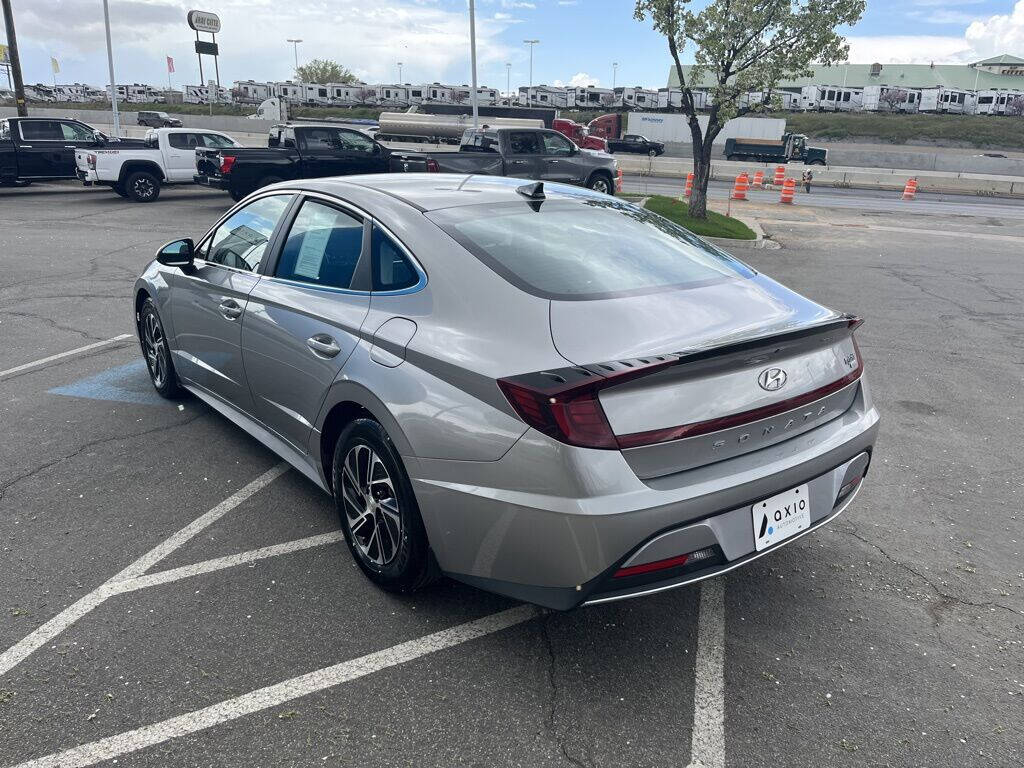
(792, 146)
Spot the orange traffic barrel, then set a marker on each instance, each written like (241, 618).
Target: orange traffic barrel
(688, 189)
(618, 182)
(758, 180)
(910, 190)
(788, 188)
(780, 175)
(740, 187)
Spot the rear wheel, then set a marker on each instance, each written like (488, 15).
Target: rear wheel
(378, 511)
(266, 181)
(652, 153)
(119, 189)
(599, 182)
(142, 187)
(157, 353)
(733, 158)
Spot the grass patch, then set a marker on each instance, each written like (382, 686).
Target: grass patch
(716, 224)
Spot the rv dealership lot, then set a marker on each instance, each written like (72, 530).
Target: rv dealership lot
(163, 575)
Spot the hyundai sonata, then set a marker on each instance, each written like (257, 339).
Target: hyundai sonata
(535, 389)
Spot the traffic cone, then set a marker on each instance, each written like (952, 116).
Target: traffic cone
(780, 175)
(788, 189)
(740, 187)
(618, 182)
(758, 180)
(910, 190)
(688, 189)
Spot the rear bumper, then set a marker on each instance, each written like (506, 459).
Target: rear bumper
(88, 178)
(551, 524)
(213, 182)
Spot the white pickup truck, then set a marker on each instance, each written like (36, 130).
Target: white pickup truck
(168, 156)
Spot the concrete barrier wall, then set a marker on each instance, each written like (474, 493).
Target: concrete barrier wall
(833, 176)
(99, 119)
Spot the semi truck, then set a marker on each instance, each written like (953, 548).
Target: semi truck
(792, 146)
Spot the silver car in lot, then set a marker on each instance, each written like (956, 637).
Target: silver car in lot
(538, 390)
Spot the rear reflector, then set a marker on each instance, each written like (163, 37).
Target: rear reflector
(432, 166)
(669, 562)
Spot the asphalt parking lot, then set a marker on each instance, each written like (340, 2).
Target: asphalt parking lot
(172, 595)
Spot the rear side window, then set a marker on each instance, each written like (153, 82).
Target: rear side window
(586, 249)
(184, 140)
(391, 269)
(41, 130)
(323, 247)
(215, 140)
(524, 143)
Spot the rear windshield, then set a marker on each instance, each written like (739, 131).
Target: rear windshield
(586, 249)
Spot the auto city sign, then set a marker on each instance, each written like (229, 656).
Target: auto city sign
(204, 21)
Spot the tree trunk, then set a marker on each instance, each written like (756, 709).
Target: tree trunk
(701, 176)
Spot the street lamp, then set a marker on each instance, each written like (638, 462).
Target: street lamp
(295, 42)
(529, 94)
(615, 73)
(474, 96)
(399, 73)
(110, 70)
(508, 82)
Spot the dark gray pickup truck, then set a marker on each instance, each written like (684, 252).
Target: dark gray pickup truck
(526, 153)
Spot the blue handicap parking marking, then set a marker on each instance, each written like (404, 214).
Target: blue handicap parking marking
(125, 384)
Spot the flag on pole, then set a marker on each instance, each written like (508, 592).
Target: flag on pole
(170, 65)
(54, 65)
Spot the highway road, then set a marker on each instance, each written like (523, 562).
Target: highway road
(863, 199)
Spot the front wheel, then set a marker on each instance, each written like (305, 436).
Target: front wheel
(157, 353)
(599, 182)
(142, 187)
(378, 511)
(816, 162)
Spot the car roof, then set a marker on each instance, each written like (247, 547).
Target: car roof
(433, 191)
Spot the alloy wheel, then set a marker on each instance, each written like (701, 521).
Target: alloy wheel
(143, 187)
(371, 506)
(154, 345)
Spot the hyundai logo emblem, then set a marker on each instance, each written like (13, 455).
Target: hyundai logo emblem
(772, 379)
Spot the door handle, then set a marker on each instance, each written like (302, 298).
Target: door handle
(518, 162)
(70, 146)
(323, 345)
(552, 160)
(230, 309)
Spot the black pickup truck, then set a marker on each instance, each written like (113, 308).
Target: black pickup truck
(637, 144)
(293, 151)
(41, 148)
(527, 153)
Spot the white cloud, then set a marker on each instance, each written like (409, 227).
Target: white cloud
(982, 38)
(580, 79)
(1000, 33)
(431, 41)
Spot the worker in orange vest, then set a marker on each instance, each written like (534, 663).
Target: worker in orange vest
(807, 177)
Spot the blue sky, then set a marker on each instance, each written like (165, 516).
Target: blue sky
(579, 38)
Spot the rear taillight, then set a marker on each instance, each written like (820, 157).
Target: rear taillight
(90, 159)
(564, 404)
(226, 161)
(432, 166)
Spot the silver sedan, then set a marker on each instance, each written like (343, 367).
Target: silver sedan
(536, 389)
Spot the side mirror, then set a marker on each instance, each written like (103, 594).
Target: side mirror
(98, 139)
(177, 253)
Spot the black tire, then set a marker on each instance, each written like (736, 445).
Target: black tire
(601, 182)
(120, 190)
(652, 153)
(142, 187)
(816, 162)
(405, 562)
(157, 354)
(237, 194)
(733, 158)
(266, 181)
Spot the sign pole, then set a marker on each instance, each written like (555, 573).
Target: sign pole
(110, 70)
(13, 60)
(472, 53)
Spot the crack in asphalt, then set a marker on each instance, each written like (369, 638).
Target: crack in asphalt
(8, 484)
(553, 702)
(945, 599)
(52, 323)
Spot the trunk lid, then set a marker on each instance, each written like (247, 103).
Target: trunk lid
(757, 364)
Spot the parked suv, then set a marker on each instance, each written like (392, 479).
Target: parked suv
(158, 120)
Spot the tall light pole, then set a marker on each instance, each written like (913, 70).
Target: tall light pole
(295, 42)
(508, 81)
(399, 73)
(110, 71)
(14, 61)
(474, 96)
(529, 94)
(615, 73)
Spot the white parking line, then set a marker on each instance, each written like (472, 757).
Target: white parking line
(230, 561)
(69, 353)
(287, 690)
(44, 634)
(707, 747)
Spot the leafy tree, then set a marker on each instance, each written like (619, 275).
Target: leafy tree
(741, 46)
(323, 71)
(893, 98)
(1016, 106)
